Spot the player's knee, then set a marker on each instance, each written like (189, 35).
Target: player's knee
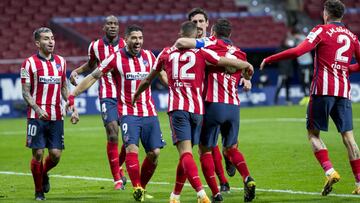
(153, 155)
(203, 149)
(38, 154)
(55, 155)
(112, 130)
(232, 147)
(313, 134)
(132, 148)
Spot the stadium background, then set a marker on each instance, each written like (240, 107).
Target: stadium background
(259, 26)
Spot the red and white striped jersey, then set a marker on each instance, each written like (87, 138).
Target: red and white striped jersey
(220, 86)
(46, 78)
(185, 70)
(98, 51)
(128, 71)
(334, 47)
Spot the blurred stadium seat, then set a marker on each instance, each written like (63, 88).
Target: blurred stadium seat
(248, 32)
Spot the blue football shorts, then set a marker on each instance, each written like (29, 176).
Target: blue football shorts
(146, 129)
(321, 107)
(185, 126)
(109, 110)
(220, 118)
(45, 134)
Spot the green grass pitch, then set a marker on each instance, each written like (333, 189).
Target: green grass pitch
(273, 140)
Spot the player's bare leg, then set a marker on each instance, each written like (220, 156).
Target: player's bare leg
(112, 131)
(36, 170)
(321, 154)
(190, 171)
(236, 158)
(354, 157)
(208, 168)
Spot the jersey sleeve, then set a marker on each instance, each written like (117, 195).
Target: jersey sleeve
(354, 68)
(108, 64)
(357, 51)
(63, 77)
(25, 72)
(210, 56)
(91, 52)
(204, 42)
(122, 44)
(158, 65)
(314, 36)
(292, 53)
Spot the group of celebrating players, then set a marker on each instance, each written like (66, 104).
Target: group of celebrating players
(202, 74)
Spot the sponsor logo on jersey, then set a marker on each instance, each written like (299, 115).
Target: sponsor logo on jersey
(178, 83)
(136, 75)
(50, 79)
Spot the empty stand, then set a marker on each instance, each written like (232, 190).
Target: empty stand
(20, 18)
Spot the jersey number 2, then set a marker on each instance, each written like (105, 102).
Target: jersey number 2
(344, 48)
(182, 72)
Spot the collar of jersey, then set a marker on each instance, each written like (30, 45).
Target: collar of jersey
(130, 55)
(44, 59)
(114, 43)
(337, 23)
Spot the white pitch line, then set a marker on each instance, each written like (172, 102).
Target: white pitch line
(167, 183)
(260, 120)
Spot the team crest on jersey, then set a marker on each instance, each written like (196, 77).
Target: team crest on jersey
(136, 75)
(50, 79)
(146, 63)
(58, 67)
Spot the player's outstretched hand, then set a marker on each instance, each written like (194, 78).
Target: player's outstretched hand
(247, 84)
(73, 77)
(74, 117)
(262, 65)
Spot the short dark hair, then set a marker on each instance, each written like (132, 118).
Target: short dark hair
(196, 11)
(334, 8)
(188, 28)
(40, 30)
(132, 28)
(222, 28)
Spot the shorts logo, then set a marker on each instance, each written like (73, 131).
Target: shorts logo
(50, 79)
(136, 75)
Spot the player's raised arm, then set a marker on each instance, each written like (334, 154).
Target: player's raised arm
(291, 53)
(85, 67)
(354, 68)
(106, 66)
(89, 65)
